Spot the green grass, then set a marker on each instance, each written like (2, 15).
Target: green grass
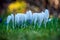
(51, 32)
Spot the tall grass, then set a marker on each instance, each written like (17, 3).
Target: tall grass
(51, 32)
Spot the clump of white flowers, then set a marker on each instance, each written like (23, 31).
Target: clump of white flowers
(29, 16)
